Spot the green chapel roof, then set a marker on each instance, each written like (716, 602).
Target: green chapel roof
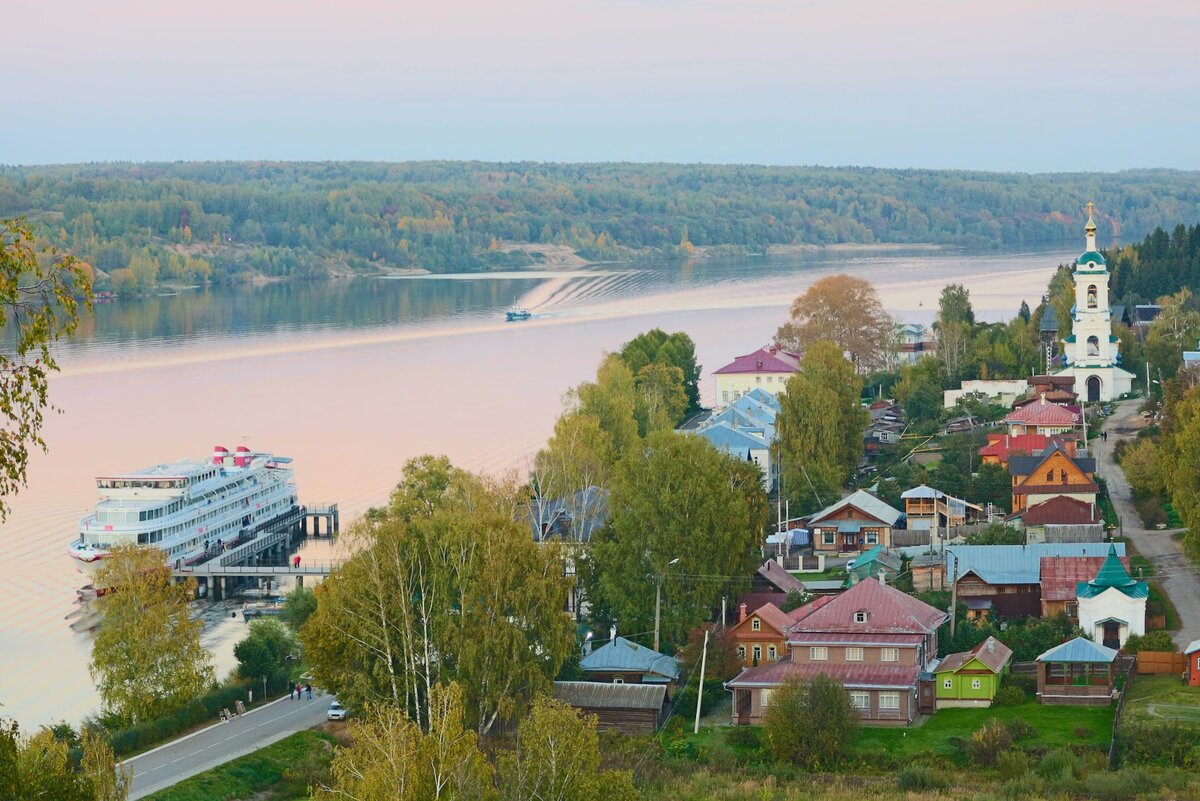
(1090, 255)
(1112, 574)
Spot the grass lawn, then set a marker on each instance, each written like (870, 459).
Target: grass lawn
(825, 575)
(1162, 698)
(280, 772)
(1055, 726)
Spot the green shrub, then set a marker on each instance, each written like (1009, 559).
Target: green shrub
(921, 777)
(987, 743)
(1119, 786)
(1026, 684)
(1163, 744)
(1059, 765)
(743, 737)
(1020, 729)
(1009, 696)
(1013, 764)
(1022, 788)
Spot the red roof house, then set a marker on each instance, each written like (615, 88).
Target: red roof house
(1043, 418)
(1061, 575)
(873, 638)
(771, 359)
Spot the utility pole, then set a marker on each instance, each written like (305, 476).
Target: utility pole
(657, 608)
(700, 689)
(954, 596)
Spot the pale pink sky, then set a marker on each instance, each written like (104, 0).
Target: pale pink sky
(1011, 85)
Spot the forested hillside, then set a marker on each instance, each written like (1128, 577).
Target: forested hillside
(1162, 264)
(145, 224)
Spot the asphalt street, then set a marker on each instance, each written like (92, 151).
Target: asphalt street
(1177, 574)
(222, 742)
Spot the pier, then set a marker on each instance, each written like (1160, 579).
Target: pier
(266, 552)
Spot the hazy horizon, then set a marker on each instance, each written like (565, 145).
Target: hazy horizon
(1075, 87)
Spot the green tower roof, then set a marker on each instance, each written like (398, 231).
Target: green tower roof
(1113, 574)
(1090, 255)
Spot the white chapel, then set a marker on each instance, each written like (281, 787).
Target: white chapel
(1092, 352)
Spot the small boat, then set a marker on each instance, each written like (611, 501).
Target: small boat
(517, 313)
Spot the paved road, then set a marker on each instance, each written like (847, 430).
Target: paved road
(1178, 575)
(218, 744)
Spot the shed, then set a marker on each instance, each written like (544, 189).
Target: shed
(627, 708)
(1192, 652)
(971, 678)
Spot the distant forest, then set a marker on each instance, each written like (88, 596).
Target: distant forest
(143, 225)
(1162, 264)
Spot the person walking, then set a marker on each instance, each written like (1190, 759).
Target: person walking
(299, 697)
(308, 691)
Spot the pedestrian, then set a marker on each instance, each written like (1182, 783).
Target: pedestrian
(298, 695)
(291, 693)
(308, 691)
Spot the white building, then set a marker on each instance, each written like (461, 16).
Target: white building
(1112, 606)
(767, 369)
(1002, 391)
(1091, 352)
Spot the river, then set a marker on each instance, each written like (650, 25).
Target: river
(352, 378)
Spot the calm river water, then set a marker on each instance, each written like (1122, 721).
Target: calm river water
(353, 378)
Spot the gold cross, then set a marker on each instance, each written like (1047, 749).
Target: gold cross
(1090, 207)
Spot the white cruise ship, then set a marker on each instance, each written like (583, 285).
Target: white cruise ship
(191, 510)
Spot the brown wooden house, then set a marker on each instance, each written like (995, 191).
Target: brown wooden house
(873, 639)
(856, 523)
(627, 708)
(1051, 474)
(761, 636)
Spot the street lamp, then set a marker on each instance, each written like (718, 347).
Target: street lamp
(658, 601)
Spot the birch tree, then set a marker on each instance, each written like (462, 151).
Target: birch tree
(147, 659)
(41, 296)
(446, 585)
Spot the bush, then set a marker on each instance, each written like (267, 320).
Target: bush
(920, 778)
(1165, 744)
(1026, 684)
(987, 743)
(810, 723)
(1013, 764)
(1152, 641)
(743, 737)
(1060, 765)
(1009, 696)
(1020, 729)
(1119, 786)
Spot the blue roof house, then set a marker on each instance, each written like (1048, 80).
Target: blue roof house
(622, 661)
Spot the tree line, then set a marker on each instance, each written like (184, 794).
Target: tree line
(145, 224)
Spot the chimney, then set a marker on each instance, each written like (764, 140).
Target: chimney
(741, 612)
(991, 645)
(612, 632)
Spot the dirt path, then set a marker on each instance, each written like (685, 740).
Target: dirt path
(1177, 575)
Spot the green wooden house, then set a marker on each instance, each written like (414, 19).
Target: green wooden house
(971, 678)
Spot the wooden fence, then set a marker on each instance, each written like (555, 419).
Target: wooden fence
(1125, 667)
(1158, 662)
(903, 538)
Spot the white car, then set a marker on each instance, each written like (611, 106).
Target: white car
(336, 711)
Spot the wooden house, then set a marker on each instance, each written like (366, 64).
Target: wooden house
(873, 639)
(971, 678)
(622, 661)
(627, 708)
(856, 523)
(761, 636)
(1043, 418)
(1051, 474)
(1192, 652)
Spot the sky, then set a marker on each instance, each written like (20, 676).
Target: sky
(1026, 85)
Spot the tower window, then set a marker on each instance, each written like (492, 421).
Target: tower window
(1091, 296)
(1093, 346)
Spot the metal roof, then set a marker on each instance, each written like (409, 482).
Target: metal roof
(600, 695)
(1079, 650)
(1016, 564)
(625, 656)
(861, 499)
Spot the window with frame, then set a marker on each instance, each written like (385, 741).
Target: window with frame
(860, 701)
(854, 654)
(818, 653)
(827, 538)
(976, 684)
(889, 655)
(764, 698)
(772, 654)
(757, 653)
(872, 538)
(889, 701)
(860, 617)
(948, 684)
(618, 680)
(741, 652)
(755, 625)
